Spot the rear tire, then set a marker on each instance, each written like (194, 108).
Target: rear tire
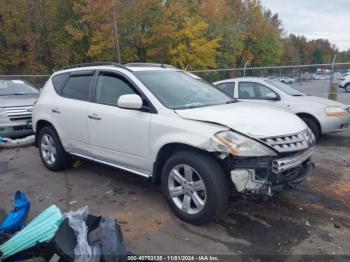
(51, 151)
(313, 125)
(197, 198)
(347, 88)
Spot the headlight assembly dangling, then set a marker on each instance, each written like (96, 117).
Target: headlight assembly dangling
(238, 145)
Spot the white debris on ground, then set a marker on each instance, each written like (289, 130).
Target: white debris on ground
(11, 143)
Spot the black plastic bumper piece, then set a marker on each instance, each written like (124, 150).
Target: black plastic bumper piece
(292, 181)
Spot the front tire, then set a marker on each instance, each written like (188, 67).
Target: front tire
(51, 151)
(195, 186)
(312, 124)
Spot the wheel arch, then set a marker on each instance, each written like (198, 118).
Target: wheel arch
(164, 153)
(301, 115)
(39, 126)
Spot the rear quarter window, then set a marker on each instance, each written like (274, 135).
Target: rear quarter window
(78, 87)
(228, 88)
(58, 82)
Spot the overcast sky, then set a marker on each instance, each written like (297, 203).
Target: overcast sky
(315, 19)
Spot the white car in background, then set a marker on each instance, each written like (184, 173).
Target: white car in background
(287, 80)
(345, 82)
(322, 115)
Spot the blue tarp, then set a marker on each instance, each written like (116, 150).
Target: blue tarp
(16, 218)
(40, 230)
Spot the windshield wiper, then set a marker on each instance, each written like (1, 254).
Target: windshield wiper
(19, 94)
(193, 105)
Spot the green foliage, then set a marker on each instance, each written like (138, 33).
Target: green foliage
(43, 35)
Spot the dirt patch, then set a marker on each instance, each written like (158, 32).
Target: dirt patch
(331, 184)
(271, 227)
(136, 223)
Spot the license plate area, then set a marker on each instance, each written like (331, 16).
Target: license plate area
(29, 124)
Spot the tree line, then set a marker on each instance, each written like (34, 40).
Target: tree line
(39, 36)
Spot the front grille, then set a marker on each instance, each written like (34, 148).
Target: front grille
(291, 143)
(290, 162)
(21, 118)
(19, 112)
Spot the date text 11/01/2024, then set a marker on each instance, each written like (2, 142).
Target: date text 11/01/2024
(173, 258)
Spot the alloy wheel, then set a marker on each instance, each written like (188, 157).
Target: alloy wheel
(187, 189)
(48, 149)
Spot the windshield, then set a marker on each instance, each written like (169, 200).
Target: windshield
(179, 90)
(16, 87)
(284, 88)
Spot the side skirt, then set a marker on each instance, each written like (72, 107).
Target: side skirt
(113, 165)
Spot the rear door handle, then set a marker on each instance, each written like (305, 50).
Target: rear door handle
(56, 110)
(94, 117)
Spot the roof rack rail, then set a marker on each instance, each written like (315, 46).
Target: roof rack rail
(96, 64)
(150, 65)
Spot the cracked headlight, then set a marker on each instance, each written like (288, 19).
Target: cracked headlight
(336, 111)
(238, 145)
(2, 113)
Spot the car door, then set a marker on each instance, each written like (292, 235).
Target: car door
(118, 136)
(70, 111)
(257, 93)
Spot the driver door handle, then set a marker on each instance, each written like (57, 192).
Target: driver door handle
(56, 110)
(94, 117)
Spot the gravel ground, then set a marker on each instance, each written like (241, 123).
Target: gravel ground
(312, 220)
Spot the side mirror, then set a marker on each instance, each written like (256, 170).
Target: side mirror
(271, 96)
(130, 102)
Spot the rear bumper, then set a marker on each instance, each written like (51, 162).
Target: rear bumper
(264, 176)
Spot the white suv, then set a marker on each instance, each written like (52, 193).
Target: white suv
(173, 128)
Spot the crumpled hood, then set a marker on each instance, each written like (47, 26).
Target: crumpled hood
(323, 101)
(18, 100)
(248, 118)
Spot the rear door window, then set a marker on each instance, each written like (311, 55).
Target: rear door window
(246, 90)
(251, 90)
(228, 88)
(78, 87)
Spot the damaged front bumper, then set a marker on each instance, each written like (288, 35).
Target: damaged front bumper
(264, 176)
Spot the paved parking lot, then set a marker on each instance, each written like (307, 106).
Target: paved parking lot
(312, 220)
(321, 88)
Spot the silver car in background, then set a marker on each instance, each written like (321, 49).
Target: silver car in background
(17, 98)
(323, 116)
